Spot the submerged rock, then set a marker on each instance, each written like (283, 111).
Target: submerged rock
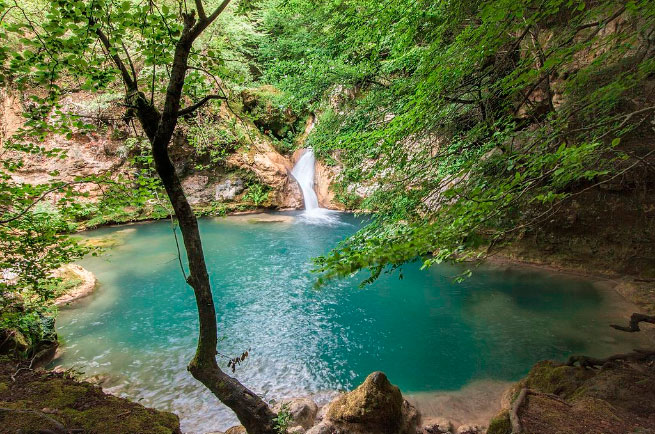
(376, 406)
(81, 280)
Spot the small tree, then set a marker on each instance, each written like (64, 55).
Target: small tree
(142, 45)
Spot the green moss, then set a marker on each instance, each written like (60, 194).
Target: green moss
(550, 377)
(68, 280)
(57, 393)
(77, 405)
(500, 424)
(26, 422)
(112, 417)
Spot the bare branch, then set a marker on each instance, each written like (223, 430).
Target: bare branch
(127, 79)
(129, 60)
(218, 10)
(196, 106)
(201, 10)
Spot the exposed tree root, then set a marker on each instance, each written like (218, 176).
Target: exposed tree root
(591, 362)
(54, 426)
(514, 419)
(635, 319)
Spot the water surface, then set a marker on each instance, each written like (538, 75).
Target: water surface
(425, 331)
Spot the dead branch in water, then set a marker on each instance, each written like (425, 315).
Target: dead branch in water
(635, 319)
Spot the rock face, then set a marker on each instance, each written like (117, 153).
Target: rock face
(229, 189)
(303, 412)
(375, 407)
(272, 169)
(101, 153)
(201, 191)
(325, 176)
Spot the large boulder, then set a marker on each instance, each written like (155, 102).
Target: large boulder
(375, 407)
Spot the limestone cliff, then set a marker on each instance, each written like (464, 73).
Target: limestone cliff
(106, 150)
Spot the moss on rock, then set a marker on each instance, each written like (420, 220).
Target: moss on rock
(551, 377)
(616, 399)
(500, 424)
(39, 399)
(376, 406)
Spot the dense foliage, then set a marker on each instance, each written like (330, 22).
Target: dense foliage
(463, 122)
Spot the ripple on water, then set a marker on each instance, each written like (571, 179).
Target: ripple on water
(426, 332)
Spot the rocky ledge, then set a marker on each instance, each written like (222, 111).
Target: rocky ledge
(618, 398)
(84, 283)
(38, 401)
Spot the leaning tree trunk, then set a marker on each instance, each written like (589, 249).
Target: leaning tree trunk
(253, 413)
(251, 410)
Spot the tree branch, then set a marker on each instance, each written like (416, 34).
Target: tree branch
(202, 23)
(129, 60)
(201, 10)
(188, 110)
(218, 10)
(127, 79)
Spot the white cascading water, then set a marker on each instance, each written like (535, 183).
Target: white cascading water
(304, 172)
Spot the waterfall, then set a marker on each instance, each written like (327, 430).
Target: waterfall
(303, 172)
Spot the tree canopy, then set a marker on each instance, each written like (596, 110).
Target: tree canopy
(465, 122)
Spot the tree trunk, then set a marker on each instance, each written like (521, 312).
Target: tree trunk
(253, 413)
(251, 410)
